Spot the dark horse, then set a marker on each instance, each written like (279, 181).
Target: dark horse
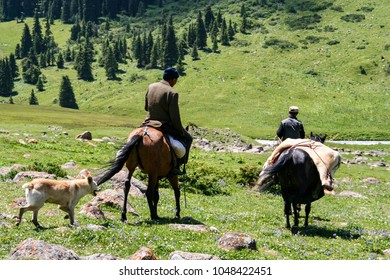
(147, 149)
(299, 180)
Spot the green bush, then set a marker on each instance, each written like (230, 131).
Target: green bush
(303, 22)
(49, 167)
(279, 44)
(353, 18)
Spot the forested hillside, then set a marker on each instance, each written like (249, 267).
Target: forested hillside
(245, 61)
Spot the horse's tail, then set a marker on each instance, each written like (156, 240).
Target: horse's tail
(120, 160)
(267, 175)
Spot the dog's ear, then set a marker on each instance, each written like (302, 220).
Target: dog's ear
(90, 180)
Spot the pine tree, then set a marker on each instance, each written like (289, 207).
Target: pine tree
(66, 97)
(60, 61)
(209, 18)
(6, 79)
(18, 52)
(224, 34)
(111, 65)
(26, 42)
(11, 9)
(40, 86)
(137, 50)
(231, 31)
(14, 66)
(215, 44)
(83, 62)
(180, 67)
(170, 50)
(75, 31)
(194, 53)
(191, 37)
(244, 20)
(33, 100)
(30, 71)
(65, 12)
(37, 34)
(156, 53)
(201, 33)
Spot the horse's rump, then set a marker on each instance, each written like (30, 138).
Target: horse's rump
(326, 159)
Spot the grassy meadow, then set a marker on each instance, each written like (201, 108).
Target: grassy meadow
(246, 88)
(340, 227)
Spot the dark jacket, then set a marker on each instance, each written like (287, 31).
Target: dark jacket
(291, 128)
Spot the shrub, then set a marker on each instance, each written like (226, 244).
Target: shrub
(49, 167)
(279, 44)
(353, 18)
(333, 42)
(303, 22)
(247, 175)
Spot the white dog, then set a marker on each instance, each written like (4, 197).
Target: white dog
(64, 193)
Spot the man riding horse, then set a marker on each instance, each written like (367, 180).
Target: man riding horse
(162, 105)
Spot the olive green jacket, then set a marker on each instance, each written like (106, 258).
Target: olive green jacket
(162, 105)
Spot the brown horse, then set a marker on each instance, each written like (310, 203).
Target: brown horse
(148, 150)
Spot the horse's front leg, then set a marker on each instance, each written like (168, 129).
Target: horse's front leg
(175, 185)
(125, 194)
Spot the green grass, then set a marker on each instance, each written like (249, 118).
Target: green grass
(339, 227)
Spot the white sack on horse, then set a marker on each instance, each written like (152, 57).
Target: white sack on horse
(326, 159)
(178, 147)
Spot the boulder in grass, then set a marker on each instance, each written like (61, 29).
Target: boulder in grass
(31, 249)
(236, 241)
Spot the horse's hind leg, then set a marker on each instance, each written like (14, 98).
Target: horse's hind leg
(307, 211)
(287, 213)
(296, 214)
(125, 194)
(175, 185)
(152, 196)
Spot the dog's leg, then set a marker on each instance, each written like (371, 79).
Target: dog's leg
(35, 218)
(65, 209)
(21, 212)
(71, 216)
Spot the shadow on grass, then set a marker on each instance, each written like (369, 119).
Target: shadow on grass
(327, 233)
(166, 220)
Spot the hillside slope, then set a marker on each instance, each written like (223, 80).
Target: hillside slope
(249, 85)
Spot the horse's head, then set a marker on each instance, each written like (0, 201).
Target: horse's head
(317, 138)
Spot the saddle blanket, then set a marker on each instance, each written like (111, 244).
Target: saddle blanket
(326, 159)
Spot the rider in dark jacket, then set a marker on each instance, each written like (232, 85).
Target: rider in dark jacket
(291, 127)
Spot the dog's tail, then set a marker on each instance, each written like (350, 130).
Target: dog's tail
(28, 185)
(120, 160)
